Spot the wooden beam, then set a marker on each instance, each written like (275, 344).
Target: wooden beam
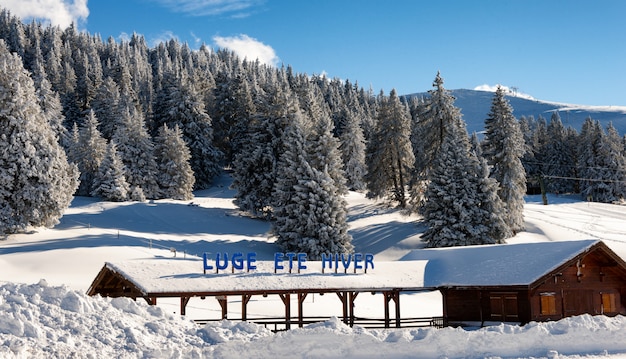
(151, 300)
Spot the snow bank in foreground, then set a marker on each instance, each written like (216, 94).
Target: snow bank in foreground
(40, 321)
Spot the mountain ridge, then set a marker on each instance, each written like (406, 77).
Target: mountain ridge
(475, 105)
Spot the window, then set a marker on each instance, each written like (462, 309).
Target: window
(548, 304)
(608, 303)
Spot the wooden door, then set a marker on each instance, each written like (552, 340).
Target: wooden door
(504, 307)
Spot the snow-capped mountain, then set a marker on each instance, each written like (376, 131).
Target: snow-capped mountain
(475, 105)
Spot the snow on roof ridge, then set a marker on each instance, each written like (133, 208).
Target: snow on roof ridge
(495, 265)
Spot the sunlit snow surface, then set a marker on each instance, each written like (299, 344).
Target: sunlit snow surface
(53, 318)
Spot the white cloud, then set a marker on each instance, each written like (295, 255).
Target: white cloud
(246, 47)
(511, 91)
(54, 12)
(240, 8)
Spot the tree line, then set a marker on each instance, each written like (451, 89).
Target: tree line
(123, 121)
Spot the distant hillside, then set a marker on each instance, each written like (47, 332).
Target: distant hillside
(475, 106)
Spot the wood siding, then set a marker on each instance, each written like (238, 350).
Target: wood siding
(579, 289)
(593, 283)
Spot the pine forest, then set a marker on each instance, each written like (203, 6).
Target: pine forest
(122, 121)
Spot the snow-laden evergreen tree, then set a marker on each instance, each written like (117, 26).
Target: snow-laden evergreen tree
(389, 153)
(527, 128)
(559, 159)
(323, 147)
(110, 182)
(88, 153)
(255, 168)
(503, 148)
(431, 117)
(36, 180)
(462, 205)
(107, 107)
(179, 104)
(232, 108)
(175, 175)
(310, 212)
(50, 105)
(136, 150)
(602, 166)
(352, 149)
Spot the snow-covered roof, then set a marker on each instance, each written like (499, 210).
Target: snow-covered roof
(496, 265)
(160, 276)
(423, 269)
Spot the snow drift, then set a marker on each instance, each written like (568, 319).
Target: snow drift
(42, 321)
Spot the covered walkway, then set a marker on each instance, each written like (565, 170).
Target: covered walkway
(184, 278)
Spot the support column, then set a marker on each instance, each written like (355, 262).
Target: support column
(301, 298)
(386, 297)
(224, 304)
(351, 297)
(183, 304)
(286, 298)
(343, 296)
(396, 298)
(245, 298)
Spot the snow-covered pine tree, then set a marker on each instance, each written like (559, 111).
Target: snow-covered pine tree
(601, 164)
(177, 103)
(462, 206)
(432, 116)
(255, 168)
(51, 105)
(110, 182)
(107, 106)
(310, 212)
(136, 150)
(232, 108)
(323, 147)
(390, 156)
(36, 181)
(88, 153)
(617, 163)
(352, 149)
(559, 158)
(503, 147)
(175, 175)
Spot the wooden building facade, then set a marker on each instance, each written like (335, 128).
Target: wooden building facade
(593, 281)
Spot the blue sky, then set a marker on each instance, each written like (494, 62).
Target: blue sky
(556, 50)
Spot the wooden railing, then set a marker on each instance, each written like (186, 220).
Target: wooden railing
(281, 324)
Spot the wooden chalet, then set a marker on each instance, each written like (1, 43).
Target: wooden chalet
(519, 283)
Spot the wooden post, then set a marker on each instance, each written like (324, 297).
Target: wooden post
(301, 298)
(286, 298)
(352, 297)
(343, 296)
(386, 298)
(183, 304)
(245, 298)
(224, 304)
(396, 298)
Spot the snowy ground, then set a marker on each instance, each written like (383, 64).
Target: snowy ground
(44, 312)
